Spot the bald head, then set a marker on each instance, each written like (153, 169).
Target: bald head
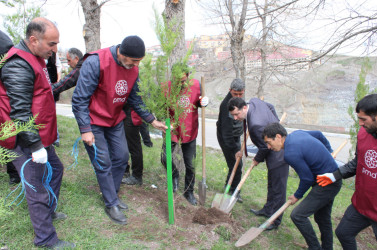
(42, 37)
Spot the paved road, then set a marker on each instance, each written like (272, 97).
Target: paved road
(211, 139)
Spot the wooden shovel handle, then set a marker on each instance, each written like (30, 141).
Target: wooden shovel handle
(203, 132)
(245, 177)
(282, 119)
(238, 160)
(278, 213)
(339, 148)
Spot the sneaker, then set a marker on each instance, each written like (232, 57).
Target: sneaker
(132, 181)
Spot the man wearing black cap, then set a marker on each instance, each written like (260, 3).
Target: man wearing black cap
(108, 79)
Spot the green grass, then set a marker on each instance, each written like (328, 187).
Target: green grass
(89, 227)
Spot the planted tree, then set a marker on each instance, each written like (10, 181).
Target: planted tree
(362, 89)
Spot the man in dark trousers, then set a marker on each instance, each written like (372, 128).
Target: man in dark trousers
(25, 92)
(362, 212)
(191, 99)
(259, 114)
(309, 154)
(229, 132)
(108, 79)
(132, 125)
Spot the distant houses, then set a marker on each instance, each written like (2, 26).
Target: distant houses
(279, 56)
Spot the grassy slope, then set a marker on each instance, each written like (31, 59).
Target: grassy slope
(90, 228)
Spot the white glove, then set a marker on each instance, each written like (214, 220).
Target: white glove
(204, 101)
(40, 156)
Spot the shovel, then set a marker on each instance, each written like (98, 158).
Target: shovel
(202, 184)
(228, 202)
(220, 197)
(253, 232)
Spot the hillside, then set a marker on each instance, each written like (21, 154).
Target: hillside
(317, 98)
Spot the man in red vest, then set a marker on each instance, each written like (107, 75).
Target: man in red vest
(25, 92)
(191, 99)
(362, 212)
(108, 79)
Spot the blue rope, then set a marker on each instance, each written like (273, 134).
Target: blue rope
(46, 179)
(75, 154)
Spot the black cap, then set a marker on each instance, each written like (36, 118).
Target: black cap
(5, 43)
(132, 46)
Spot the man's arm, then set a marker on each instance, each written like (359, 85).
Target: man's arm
(68, 81)
(18, 79)
(137, 104)
(86, 85)
(318, 135)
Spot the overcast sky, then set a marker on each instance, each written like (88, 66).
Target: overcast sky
(120, 18)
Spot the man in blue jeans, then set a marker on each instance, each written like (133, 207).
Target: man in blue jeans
(309, 153)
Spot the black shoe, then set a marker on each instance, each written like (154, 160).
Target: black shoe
(132, 181)
(116, 215)
(190, 198)
(61, 244)
(175, 184)
(14, 180)
(239, 198)
(122, 205)
(149, 144)
(272, 227)
(126, 175)
(259, 213)
(59, 216)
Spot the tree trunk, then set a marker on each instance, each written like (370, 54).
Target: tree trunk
(92, 26)
(175, 17)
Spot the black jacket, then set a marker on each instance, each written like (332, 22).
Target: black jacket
(69, 80)
(18, 79)
(227, 128)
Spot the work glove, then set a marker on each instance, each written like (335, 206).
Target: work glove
(39, 156)
(203, 101)
(325, 179)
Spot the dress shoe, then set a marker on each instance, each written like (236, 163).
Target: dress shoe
(175, 184)
(122, 205)
(190, 198)
(59, 216)
(271, 227)
(126, 175)
(14, 180)
(148, 144)
(259, 213)
(239, 198)
(61, 244)
(116, 215)
(132, 180)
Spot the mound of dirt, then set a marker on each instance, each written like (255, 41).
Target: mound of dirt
(210, 216)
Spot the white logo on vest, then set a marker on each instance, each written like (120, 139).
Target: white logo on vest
(371, 159)
(46, 74)
(121, 87)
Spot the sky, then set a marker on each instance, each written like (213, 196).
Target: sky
(120, 18)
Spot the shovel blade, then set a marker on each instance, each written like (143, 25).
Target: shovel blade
(250, 235)
(202, 192)
(217, 200)
(225, 203)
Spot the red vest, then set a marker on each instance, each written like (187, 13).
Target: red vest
(42, 105)
(190, 122)
(136, 119)
(114, 87)
(365, 197)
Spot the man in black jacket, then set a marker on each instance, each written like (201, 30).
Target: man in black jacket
(25, 92)
(229, 132)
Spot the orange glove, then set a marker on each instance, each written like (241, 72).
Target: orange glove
(325, 179)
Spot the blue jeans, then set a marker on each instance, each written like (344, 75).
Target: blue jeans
(319, 202)
(112, 155)
(350, 225)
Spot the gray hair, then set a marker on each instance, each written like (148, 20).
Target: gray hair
(73, 52)
(237, 85)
